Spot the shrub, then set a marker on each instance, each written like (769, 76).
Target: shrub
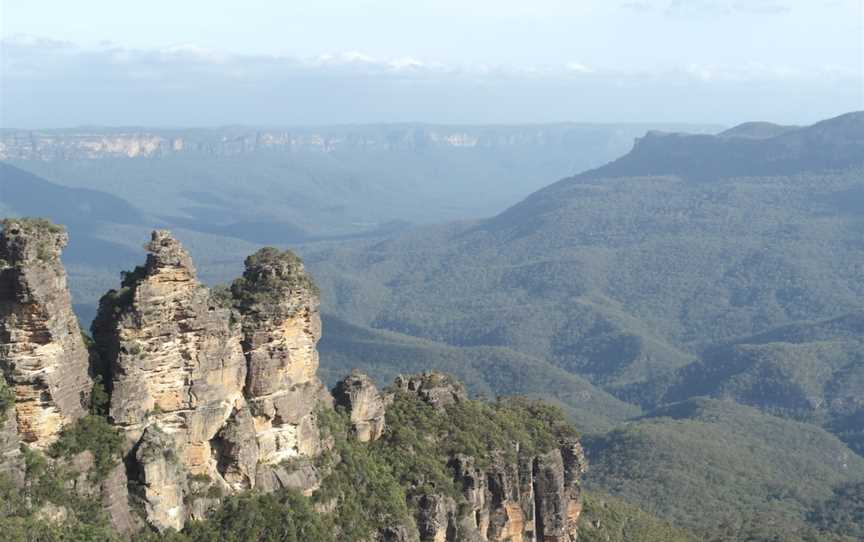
(95, 434)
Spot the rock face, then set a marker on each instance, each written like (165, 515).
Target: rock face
(42, 353)
(228, 383)
(437, 389)
(532, 499)
(358, 395)
(281, 327)
(174, 359)
(536, 499)
(11, 458)
(162, 478)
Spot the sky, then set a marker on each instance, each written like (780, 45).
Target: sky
(216, 62)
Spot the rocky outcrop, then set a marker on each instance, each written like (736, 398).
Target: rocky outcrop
(532, 499)
(228, 382)
(557, 493)
(216, 392)
(437, 389)
(11, 458)
(163, 479)
(358, 395)
(174, 358)
(278, 303)
(511, 496)
(42, 353)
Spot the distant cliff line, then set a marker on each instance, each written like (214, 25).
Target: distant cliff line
(134, 142)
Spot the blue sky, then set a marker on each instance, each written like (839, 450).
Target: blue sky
(319, 62)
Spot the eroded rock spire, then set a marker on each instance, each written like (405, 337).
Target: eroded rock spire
(281, 327)
(42, 353)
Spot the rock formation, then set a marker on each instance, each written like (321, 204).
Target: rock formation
(11, 458)
(216, 392)
(439, 390)
(358, 395)
(532, 499)
(278, 303)
(163, 479)
(233, 391)
(42, 353)
(174, 358)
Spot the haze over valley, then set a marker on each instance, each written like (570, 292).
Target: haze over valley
(379, 272)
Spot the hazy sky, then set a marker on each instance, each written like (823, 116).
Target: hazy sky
(325, 61)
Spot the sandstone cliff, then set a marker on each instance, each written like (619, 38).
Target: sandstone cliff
(42, 353)
(281, 325)
(173, 357)
(213, 393)
(534, 498)
(230, 392)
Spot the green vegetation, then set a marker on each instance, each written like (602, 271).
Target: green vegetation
(361, 483)
(269, 273)
(285, 516)
(48, 491)
(486, 371)
(420, 438)
(94, 434)
(716, 468)
(7, 399)
(33, 225)
(843, 512)
(608, 519)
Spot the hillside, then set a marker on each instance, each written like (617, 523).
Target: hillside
(486, 371)
(725, 471)
(622, 278)
(811, 371)
(724, 266)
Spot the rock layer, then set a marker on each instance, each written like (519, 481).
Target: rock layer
(42, 353)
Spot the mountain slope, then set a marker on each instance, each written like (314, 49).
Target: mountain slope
(488, 371)
(724, 470)
(623, 278)
(85, 212)
(809, 371)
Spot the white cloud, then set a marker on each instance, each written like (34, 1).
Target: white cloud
(578, 67)
(710, 7)
(28, 57)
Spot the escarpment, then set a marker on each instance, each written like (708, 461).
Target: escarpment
(42, 352)
(213, 398)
